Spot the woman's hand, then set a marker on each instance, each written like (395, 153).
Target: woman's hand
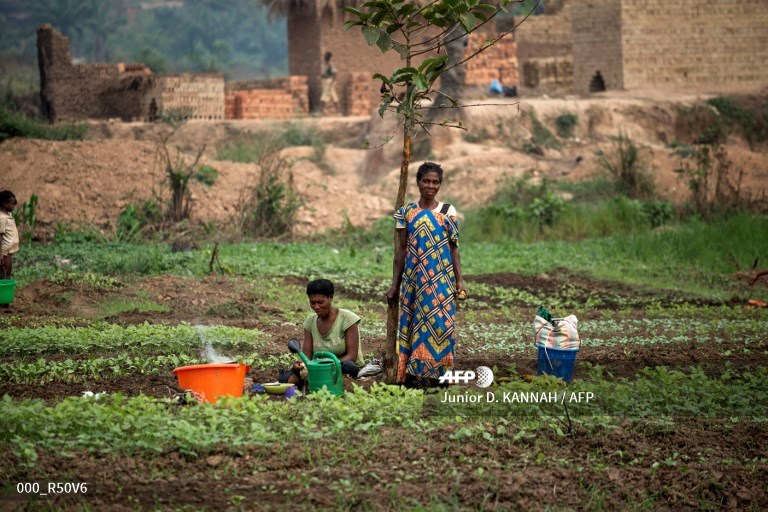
(461, 290)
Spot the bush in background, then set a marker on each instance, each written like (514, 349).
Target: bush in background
(268, 208)
(14, 124)
(565, 123)
(628, 168)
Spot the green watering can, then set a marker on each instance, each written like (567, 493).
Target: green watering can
(324, 370)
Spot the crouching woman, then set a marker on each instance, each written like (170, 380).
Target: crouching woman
(329, 329)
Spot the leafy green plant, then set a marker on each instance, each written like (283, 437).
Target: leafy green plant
(659, 212)
(177, 170)
(106, 338)
(90, 279)
(540, 134)
(268, 208)
(565, 123)
(700, 124)
(206, 175)
(133, 219)
(26, 218)
(628, 168)
(715, 183)
(13, 124)
(752, 120)
(240, 151)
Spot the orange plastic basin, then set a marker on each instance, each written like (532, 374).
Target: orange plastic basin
(213, 380)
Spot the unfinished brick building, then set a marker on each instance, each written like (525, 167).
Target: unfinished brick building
(70, 92)
(317, 26)
(545, 47)
(660, 44)
(130, 92)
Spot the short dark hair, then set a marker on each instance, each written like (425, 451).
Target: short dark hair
(5, 196)
(320, 287)
(328, 55)
(427, 167)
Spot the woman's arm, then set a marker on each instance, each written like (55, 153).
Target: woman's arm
(399, 264)
(308, 347)
(352, 337)
(456, 266)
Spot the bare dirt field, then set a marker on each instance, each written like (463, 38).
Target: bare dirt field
(90, 182)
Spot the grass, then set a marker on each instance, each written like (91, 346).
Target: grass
(571, 221)
(292, 134)
(13, 124)
(124, 305)
(610, 240)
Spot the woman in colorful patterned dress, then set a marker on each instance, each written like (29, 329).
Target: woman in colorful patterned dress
(428, 274)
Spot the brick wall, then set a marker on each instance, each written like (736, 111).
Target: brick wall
(545, 47)
(545, 35)
(281, 98)
(499, 62)
(71, 92)
(203, 95)
(359, 98)
(597, 43)
(694, 42)
(549, 73)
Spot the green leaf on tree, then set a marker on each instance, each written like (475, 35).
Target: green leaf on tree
(371, 35)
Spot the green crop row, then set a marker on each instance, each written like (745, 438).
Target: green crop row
(78, 370)
(114, 423)
(103, 338)
(518, 337)
(141, 424)
(655, 393)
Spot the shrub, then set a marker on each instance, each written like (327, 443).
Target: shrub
(700, 124)
(176, 168)
(565, 124)
(268, 208)
(715, 184)
(13, 124)
(658, 213)
(244, 152)
(628, 168)
(26, 218)
(751, 120)
(133, 220)
(540, 134)
(207, 175)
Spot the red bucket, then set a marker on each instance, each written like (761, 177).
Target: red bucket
(213, 380)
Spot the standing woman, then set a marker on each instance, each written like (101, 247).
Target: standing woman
(428, 274)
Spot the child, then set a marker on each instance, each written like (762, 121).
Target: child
(9, 235)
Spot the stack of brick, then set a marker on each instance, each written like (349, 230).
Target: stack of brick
(359, 94)
(548, 71)
(282, 98)
(499, 62)
(202, 95)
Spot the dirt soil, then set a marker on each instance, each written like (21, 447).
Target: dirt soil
(91, 181)
(537, 472)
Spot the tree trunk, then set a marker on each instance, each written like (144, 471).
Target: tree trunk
(393, 306)
(452, 80)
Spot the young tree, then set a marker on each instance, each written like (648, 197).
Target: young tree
(419, 30)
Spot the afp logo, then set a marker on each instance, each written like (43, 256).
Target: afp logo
(483, 377)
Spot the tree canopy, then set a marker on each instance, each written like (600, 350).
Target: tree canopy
(190, 35)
